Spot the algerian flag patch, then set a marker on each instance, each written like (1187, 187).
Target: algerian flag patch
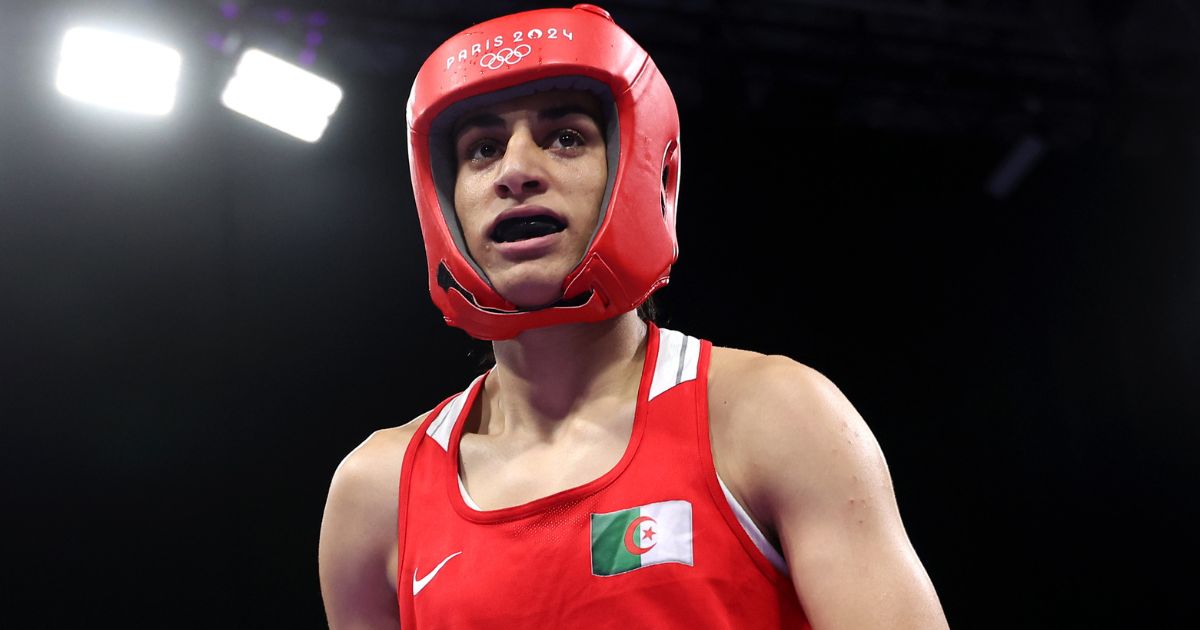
(642, 536)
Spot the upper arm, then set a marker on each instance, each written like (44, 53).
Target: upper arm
(820, 479)
(358, 533)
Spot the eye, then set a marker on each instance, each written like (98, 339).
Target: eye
(483, 150)
(567, 139)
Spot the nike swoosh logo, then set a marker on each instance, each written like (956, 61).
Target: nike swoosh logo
(419, 583)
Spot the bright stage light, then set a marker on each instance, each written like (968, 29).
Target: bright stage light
(286, 97)
(118, 71)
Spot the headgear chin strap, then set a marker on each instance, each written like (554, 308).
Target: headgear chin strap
(634, 246)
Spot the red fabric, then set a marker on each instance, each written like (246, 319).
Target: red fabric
(530, 565)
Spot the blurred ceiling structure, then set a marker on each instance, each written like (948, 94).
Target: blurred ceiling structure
(959, 67)
(1065, 70)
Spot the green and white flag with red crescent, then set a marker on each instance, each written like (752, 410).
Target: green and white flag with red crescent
(642, 536)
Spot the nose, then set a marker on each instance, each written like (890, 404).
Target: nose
(521, 174)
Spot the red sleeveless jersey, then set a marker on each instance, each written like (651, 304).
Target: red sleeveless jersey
(653, 543)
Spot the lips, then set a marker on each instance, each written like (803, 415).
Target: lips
(524, 223)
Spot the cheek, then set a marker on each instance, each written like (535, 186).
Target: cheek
(590, 183)
(467, 201)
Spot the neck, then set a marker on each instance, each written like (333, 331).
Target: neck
(547, 375)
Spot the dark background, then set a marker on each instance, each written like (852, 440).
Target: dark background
(199, 316)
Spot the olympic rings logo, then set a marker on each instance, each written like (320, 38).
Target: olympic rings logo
(505, 56)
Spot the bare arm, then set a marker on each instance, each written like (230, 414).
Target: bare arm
(358, 534)
(815, 472)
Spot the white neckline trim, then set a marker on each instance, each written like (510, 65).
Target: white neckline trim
(441, 428)
(752, 530)
(466, 497)
(677, 362)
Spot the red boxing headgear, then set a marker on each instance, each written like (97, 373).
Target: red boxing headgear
(634, 246)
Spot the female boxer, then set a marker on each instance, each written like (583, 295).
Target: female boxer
(606, 473)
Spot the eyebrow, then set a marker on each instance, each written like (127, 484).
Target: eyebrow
(488, 121)
(478, 120)
(554, 113)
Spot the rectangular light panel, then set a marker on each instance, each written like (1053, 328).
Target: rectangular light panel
(286, 97)
(118, 71)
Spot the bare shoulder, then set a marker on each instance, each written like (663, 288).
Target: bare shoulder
(373, 467)
(382, 449)
(751, 377)
(808, 466)
(782, 427)
(356, 554)
(760, 393)
(737, 372)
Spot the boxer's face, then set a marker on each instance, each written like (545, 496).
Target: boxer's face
(531, 176)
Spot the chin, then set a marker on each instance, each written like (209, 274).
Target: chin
(531, 297)
(532, 290)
